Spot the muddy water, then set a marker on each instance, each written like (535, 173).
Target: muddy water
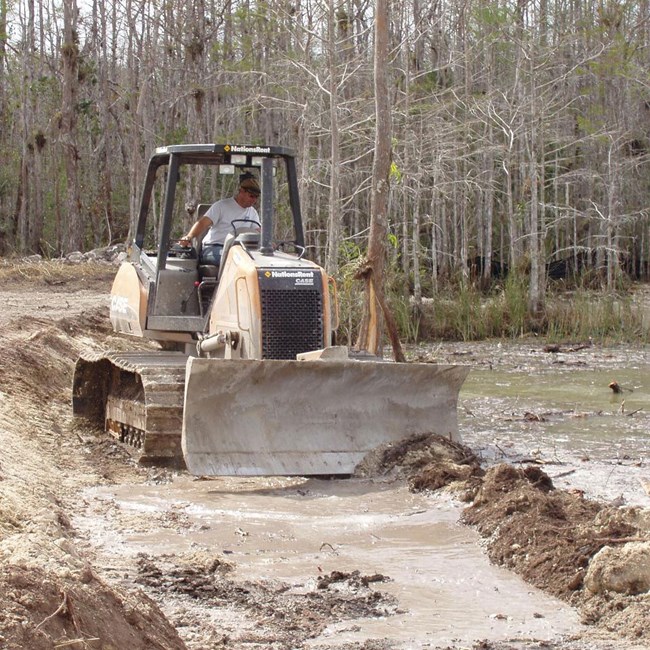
(294, 530)
(522, 403)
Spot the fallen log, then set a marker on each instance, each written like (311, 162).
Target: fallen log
(556, 347)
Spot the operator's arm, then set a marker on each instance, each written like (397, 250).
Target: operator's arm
(197, 229)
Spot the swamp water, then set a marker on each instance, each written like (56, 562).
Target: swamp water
(521, 403)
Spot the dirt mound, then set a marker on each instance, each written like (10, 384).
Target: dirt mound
(49, 594)
(428, 461)
(41, 364)
(40, 610)
(550, 537)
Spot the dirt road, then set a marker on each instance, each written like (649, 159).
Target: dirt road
(97, 552)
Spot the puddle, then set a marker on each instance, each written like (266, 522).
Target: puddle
(294, 530)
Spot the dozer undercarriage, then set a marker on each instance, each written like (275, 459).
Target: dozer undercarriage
(137, 398)
(269, 417)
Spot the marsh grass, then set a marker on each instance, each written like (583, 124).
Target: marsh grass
(585, 315)
(469, 315)
(466, 313)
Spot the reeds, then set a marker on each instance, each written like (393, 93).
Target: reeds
(581, 315)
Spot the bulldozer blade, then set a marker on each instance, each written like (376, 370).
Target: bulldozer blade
(302, 418)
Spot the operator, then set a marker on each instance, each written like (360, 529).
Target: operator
(217, 220)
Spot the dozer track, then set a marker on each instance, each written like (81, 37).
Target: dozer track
(138, 398)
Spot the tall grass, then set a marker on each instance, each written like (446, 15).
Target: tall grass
(464, 313)
(585, 315)
(469, 315)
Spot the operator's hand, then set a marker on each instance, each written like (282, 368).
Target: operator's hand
(185, 241)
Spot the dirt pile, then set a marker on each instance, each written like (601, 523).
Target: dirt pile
(50, 596)
(41, 609)
(554, 539)
(593, 556)
(427, 461)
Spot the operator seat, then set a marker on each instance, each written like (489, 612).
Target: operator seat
(208, 271)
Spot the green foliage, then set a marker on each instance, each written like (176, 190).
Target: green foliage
(350, 297)
(395, 173)
(177, 135)
(491, 15)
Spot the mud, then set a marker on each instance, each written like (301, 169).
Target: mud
(62, 587)
(302, 533)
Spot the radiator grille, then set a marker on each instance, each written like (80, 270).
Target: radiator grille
(292, 322)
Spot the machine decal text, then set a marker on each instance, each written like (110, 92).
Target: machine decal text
(300, 278)
(120, 305)
(239, 149)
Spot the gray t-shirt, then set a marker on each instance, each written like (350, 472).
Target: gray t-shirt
(222, 213)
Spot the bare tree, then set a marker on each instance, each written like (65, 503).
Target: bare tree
(74, 226)
(334, 219)
(373, 269)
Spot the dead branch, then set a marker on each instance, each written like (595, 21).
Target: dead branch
(561, 474)
(531, 461)
(556, 347)
(61, 608)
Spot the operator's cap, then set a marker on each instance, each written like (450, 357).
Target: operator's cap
(251, 185)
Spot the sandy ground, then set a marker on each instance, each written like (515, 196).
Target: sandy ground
(71, 575)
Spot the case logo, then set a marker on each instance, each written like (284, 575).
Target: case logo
(120, 305)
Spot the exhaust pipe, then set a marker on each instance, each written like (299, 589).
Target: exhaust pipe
(266, 239)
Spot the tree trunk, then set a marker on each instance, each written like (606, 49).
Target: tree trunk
(74, 229)
(25, 184)
(373, 272)
(334, 217)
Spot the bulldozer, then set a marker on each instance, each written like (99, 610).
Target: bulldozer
(246, 377)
